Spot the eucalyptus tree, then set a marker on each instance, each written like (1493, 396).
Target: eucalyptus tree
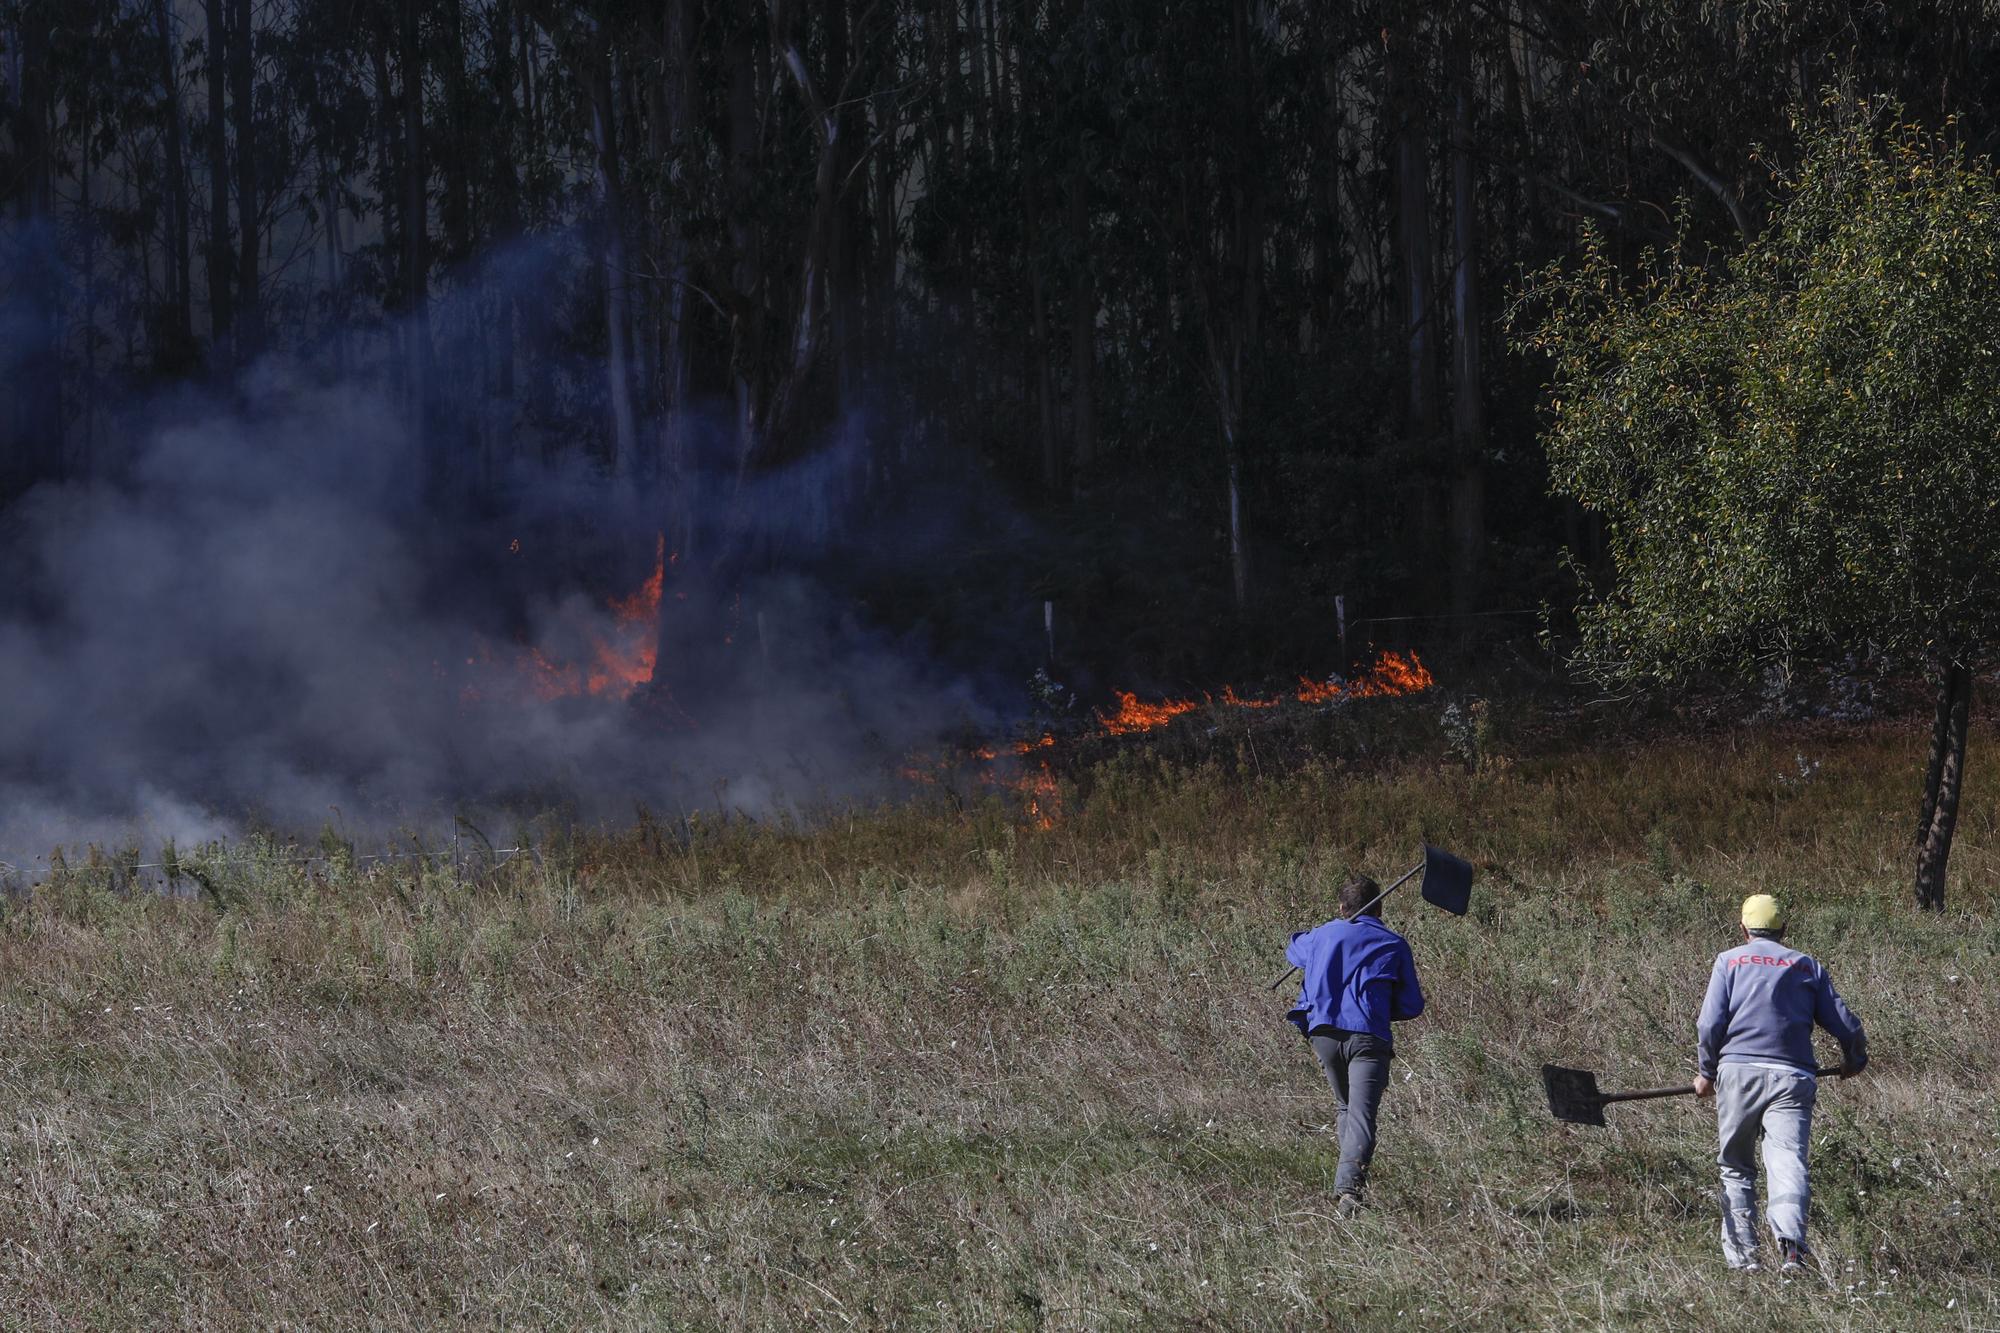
(1797, 451)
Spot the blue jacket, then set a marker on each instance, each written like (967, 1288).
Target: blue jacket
(1359, 976)
(1763, 1000)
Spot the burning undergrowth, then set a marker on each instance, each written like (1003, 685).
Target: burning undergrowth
(1033, 769)
(258, 622)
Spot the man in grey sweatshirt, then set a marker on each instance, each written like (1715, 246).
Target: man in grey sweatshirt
(1754, 1055)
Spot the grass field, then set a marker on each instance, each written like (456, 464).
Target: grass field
(932, 1067)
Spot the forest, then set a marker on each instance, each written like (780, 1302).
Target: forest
(1191, 314)
(689, 661)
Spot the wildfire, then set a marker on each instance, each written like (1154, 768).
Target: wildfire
(1134, 715)
(1392, 674)
(644, 604)
(1042, 794)
(1039, 789)
(622, 658)
(1317, 691)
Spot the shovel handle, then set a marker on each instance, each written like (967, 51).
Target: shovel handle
(1687, 1091)
(1286, 974)
(1391, 889)
(1647, 1095)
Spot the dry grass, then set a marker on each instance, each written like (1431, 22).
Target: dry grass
(925, 1069)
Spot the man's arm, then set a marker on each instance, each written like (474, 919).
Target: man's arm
(1406, 995)
(1831, 1012)
(1711, 1026)
(1300, 950)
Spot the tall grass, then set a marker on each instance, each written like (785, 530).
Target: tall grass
(929, 1067)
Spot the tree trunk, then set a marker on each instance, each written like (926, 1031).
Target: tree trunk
(948, 83)
(388, 178)
(746, 327)
(841, 57)
(87, 274)
(1038, 336)
(678, 106)
(1934, 766)
(1943, 785)
(1329, 242)
(806, 323)
(243, 99)
(1413, 232)
(336, 266)
(457, 220)
(1244, 261)
(176, 350)
(30, 128)
(617, 315)
(34, 453)
(888, 228)
(1082, 326)
(1239, 548)
(221, 313)
(1468, 416)
(975, 49)
(416, 248)
(531, 102)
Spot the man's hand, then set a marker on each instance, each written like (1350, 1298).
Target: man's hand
(1704, 1086)
(1848, 1069)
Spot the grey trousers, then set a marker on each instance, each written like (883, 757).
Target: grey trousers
(1357, 1068)
(1754, 1100)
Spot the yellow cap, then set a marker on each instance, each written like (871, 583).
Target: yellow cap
(1761, 912)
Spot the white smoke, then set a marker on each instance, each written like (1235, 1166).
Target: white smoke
(254, 622)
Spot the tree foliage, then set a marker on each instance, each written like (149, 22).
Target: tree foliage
(1795, 449)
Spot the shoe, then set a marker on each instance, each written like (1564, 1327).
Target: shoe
(1748, 1266)
(1795, 1257)
(1349, 1207)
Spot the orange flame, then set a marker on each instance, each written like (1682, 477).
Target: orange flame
(1134, 716)
(1043, 795)
(621, 660)
(645, 603)
(1392, 674)
(1317, 691)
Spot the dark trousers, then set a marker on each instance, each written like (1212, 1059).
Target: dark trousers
(1357, 1068)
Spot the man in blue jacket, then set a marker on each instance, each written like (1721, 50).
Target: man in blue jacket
(1359, 978)
(1754, 1055)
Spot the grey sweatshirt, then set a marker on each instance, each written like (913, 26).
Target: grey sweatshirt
(1763, 1000)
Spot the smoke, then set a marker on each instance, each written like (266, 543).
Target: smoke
(256, 621)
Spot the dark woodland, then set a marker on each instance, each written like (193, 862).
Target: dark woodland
(1182, 318)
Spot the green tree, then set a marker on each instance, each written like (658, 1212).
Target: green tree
(1797, 452)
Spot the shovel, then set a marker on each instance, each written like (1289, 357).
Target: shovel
(1573, 1094)
(1447, 883)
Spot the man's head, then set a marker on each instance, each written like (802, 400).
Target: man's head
(1356, 894)
(1762, 917)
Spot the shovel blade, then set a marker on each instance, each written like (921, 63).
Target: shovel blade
(1447, 880)
(1573, 1095)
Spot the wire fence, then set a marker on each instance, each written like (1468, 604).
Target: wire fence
(1463, 637)
(458, 855)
